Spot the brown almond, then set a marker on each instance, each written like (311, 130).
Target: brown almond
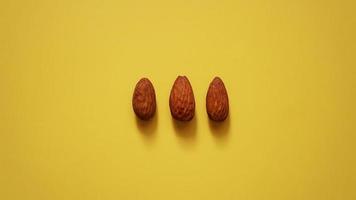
(181, 100)
(144, 99)
(217, 100)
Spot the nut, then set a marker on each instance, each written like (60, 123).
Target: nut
(181, 100)
(217, 101)
(144, 99)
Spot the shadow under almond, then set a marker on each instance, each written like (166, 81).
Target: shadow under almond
(148, 128)
(186, 131)
(220, 130)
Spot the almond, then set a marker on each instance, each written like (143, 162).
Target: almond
(217, 101)
(144, 99)
(181, 100)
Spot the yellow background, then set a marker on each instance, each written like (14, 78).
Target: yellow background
(68, 70)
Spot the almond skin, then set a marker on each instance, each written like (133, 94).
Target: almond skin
(144, 99)
(181, 100)
(217, 101)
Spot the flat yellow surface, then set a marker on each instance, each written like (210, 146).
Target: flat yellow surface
(68, 70)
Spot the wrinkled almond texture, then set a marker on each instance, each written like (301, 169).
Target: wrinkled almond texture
(181, 100)
(144, 99)
(217, 101)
